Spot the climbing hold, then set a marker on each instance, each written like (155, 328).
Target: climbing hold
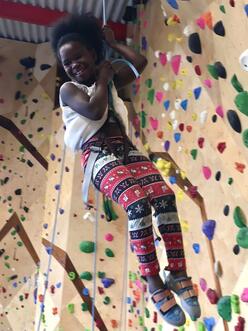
(222, 9)
(244, 295)
(196, 248)
(197, 92)
(243, 60)
(239, 217)
(109, 252)
(87, 247)
(219, 111)
(177, 137)
(241, 324)
(226, 210)
(236, 249)
(213, 71)
(207, 172)
(236, 84)
(208, 228)
(235, 303)
(193, 153)
(212, 296)
(219, 29)
(173, 4)
(246, 9)
(195, 43)
(209, 323)
(72, 275)
(150, 96)
(242, 237)
(114, 324)
(245, 137)
(220, 69)
(203, 284)
(85, 291)
(241, 101)
(109, 237)
(218, 269)
(201, 326)
(234, 120)
(86, 275)
(175, 63)
(221, 147)
(107, 282)
(84, 306)
(106, 300)
(101, 274)
(224, 308)
(70, 308)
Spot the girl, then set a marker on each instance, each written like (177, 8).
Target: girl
(94, 117)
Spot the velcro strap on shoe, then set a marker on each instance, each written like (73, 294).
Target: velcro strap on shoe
(161, 295)
(168, 305)
(184, 284)
(188, 294)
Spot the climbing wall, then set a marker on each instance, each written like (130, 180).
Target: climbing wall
(25, 124)
(192, 104)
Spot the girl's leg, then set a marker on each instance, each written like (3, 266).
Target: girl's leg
(163, 200)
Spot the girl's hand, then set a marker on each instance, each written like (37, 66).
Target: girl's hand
(109, 36)
(105, 72)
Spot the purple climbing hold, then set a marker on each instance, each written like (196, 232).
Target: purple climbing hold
(208, 229)
(107, 282)
(166, 145)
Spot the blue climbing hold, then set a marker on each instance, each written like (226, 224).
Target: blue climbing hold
(172, 179)
(107, 282)
(173, 4)
(167, 104)
(246, 9)
(208, 229)
(177, 137)
(209, 323)
(166, 145)
(184, 104)
(197, 92)
(85, 291)
(196, 248)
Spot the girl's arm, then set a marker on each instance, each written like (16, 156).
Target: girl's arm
(91, 107)
(125, 75)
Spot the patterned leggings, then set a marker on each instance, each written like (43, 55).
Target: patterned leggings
(137, 186)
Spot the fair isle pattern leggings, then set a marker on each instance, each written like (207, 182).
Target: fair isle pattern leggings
(137, 186)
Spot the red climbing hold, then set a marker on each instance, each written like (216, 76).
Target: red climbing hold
(212, 296)
(198, 70)
(240, 167)
(201, 142)
(221, 147)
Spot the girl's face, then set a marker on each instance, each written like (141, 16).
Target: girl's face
(78, 62)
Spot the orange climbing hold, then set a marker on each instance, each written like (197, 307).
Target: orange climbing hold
(208, 19)
(114, 324)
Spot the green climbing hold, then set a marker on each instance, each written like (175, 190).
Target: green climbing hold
(236, 84)
(213, 72)
(141, 321)
(245, 138)
(143, 119)
(239, 217)
(147, 313)
(242, 237)
(193, 153)
(235, 303)
(224, 308)
(109, 252)
(101, 274)
(106, 300)
(222, 9)
(201, 326)
(86, 275)
(70, 308)
(241, 101)
(19, 243)
(150, 96)
(148, 83)
(230, 181)
(84, 306)
(87, 246)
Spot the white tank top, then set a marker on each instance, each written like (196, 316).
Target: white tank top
(79, 128)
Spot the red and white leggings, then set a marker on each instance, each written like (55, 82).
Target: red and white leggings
(137, 186)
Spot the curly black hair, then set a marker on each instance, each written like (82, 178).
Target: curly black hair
(84, 28)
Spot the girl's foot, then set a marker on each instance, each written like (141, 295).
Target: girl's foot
(181, 284)
(165, 302)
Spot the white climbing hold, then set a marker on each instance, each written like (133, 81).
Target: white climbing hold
(217, 268)
(243, 60)
(203, 116)
(188, 30)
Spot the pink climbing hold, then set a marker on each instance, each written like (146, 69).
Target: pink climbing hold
(203, 284)
(244, 295)
(163, 58)
(109, 237)
(219, 111)
(159, 96)
(201, 23)
(208, 83)
(175, 63)
(153, 122)
(207, 172)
